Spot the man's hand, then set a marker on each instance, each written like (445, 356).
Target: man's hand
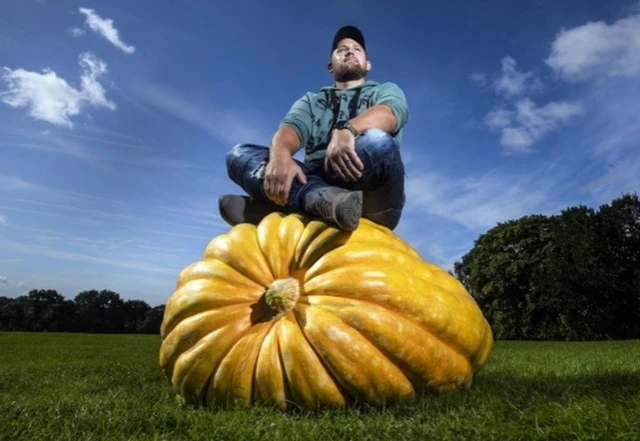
(341, 156)
(279, 174)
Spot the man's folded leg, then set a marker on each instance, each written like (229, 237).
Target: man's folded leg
(382, 181)
(246, 165)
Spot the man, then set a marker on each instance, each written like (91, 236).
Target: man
(351, 133)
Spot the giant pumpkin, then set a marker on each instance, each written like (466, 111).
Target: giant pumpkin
(295, 312)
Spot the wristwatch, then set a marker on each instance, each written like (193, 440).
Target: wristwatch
(340, 125)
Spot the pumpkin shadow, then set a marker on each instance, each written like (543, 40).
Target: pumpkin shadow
(511, 390)
(520, 392)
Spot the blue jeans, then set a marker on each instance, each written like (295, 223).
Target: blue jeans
(382, 180)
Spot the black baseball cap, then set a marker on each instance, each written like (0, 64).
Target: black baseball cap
(348, 32)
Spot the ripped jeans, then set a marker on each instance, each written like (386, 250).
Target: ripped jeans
(382, 180)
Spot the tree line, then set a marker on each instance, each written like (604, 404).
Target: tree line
(90, 311)
(570, 276)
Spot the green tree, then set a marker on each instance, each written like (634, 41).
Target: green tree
(12, 316)
(152, 320)
(45, 310)
(135, 312)
(619, 234)
(501, 272)
(100, 311)
(573, 276)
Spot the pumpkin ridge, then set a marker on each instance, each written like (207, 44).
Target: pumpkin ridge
(242, 341)
(233, 315)
(214, 370)
(272, 336)
(431, 327)
(285, 383)
(190, 309)
(238, 242)
(332, 375)
(317, 239)
(327, 262)
(196, 271)
(185, 375)
(392, 357)
(452, 344)
(365, 338)
(271, 324)
(350, 391)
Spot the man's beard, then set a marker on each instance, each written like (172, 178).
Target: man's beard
(349, 73)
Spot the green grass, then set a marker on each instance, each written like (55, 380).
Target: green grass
(104, 387)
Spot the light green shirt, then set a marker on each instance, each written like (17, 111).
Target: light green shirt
(312, 116)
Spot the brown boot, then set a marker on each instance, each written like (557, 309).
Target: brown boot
(237, 209)
(336, 205)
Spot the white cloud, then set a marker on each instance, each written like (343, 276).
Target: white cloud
(104, 27)
(528, 123)
(20, 284)
(481, 202)
(13, 183)
(231, 126)
(50, 98)
(4, 280)
(513, 83)
(499, 118)
(3, 219)
(89, 150)
(611, 137)
(516, 139)
(93, 67)
(479, 78)
(597, 49)
(103, 215)
(66, 255)
(76, 32)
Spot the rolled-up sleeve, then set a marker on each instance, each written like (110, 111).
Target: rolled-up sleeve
(299, 117)
(391, 95)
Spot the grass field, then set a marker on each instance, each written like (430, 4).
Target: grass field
(109, 387)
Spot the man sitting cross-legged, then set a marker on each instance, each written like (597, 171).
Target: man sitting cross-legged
(351, 133)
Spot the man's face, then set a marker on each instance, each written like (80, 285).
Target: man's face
(349, 61)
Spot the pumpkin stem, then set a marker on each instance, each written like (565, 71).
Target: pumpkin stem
(282, 295)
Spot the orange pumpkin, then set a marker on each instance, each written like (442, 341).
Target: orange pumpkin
(295, 312)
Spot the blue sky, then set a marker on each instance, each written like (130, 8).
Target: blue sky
(115, 118)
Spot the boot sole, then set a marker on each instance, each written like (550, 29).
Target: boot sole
(349, 211)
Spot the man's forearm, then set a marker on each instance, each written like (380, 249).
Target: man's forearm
(379, 116)
(285, 142)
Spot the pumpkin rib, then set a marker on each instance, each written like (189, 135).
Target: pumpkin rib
(382, 254)
(382, 351)
(186, 376)
(320, 242)
(352, 388)
(188, 304)
(452, 340)
(184, 329)
(341, 389)
(423, 326)
(276, 246)
(255, 361)
(207, 268)
(242, 340)
(285, 381)
(308, 382)
(401, 363)
(240, 249)
(480, 358)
